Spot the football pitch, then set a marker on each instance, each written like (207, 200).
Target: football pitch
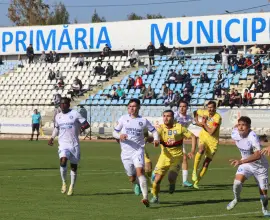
(30, 187)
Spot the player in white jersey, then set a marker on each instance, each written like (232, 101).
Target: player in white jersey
(130, 131)
(185, 120)
(252, 163)
(68, 125)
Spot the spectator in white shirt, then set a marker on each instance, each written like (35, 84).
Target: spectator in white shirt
(170, 99)
(80, 61)
(225, 56)
(42, 58)
(147, 69)
(254, 50)
(173, 54)
(134, 57)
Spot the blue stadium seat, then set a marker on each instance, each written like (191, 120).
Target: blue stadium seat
(114, 101)
(131, 91)
(126, 101)
(146, 101)
(195, 96)
(209, 96)
(201, 101)
(243, 76)
(193, 101)
(251, 72)
(153, 102)
(160, 102)
(120, 102)
(108, 102)
(95, 102)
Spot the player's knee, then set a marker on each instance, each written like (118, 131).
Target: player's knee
(63, 162)
(237, 183)
(73, 167)
(132, 179)
(184, 158)
(207, 162)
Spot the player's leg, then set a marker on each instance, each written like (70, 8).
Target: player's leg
(174, 169)
(32, 134)
(185, 169)
(74, 160)
(37, 128)
(197, 159)
(147, 167)
(206, 163)
(143, 184)
(63, 172)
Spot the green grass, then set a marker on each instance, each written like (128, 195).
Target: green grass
(30, 187)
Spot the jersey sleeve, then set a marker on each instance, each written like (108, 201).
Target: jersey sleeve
(255, 142)
(80, 118)
(186, 132)
(119, 125)
(200, 112)
(217, 121)
(149, 126)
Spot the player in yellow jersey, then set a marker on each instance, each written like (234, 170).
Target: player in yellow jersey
(208, 139)
(171, 141)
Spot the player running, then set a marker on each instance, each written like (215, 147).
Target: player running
(36, 123)
(251, 164)
(171, 142)
(132, 144)
(68, 125)
(208, 139)
(185, 120)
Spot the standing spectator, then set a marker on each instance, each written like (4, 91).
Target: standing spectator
(56, 100)
(130, 83)
(149, 93)
(204, 78)
(58, 75)
(20, 62)
(109, 71)
(173, 54)
(51, 75)
(235, 99)
(188, 87)
(247, 98)
(180, 53)
(254, 50)
(55, 57)
(218, 56)
(248, 62)
(170, 99)
(241, 62)
(225, 55)
(257, 63)
(134, 57)
(151, 53)
(186, 97)
(36, 124)
(163, 92)
(138, 82)
(106, 51)
(42, 57)
(30, 53)
(120, 93)
(49, 57)
(233, 55)
(226, 99)
(162, 50)
(148, 70)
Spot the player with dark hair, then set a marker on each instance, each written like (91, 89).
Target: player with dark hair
(36, 123)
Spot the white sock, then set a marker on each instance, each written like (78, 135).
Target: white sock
(63, 172)
(143, 185)
(264, 201)
(185, 175)
(237, 188)
(73, 176)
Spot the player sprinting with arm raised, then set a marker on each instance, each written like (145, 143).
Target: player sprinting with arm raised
(208, 139)
(171, 142)
(130, 131)
(185, 120)
(252, 163)
(68, 125)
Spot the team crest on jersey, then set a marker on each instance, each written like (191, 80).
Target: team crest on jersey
(249, 143)
(71, 117)
(174, 132)
(140, 123)
(170, 132)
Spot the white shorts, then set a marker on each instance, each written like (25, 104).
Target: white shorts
(260, 174)
(184, 149)
(133, 161)
(72, 154)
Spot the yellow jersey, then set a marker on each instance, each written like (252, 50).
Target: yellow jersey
(214, 121)
(174, 135)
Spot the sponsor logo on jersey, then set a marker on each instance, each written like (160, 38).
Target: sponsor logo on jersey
(175, 132)
(170, 132)
(140, 123)
(71, 117)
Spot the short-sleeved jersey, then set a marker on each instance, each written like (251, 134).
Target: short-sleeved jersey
(135, 129)
(184, 120)
(214, 121)
(247, 146)
(69, 128)
(36, 118)
(176, 134)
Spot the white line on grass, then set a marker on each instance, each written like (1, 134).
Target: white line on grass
(208, 216)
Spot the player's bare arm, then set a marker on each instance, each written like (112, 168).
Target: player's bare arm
(193, 146)
(250, 159)
(211, 131)
(266, 151)
(196, 119)
(84, 126)
(54, 135)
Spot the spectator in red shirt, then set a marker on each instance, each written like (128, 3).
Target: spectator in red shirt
(247, 98)
(248, 62)
(138, 82)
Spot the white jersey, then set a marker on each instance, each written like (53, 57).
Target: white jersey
(247, 146)
(134, 129)
(69, 128)
(184, 120)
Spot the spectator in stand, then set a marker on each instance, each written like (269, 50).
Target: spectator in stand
(149, 93)
(58, 75)
(151, 53)
(234, 52)
(180, 78)
(76, 88)
(30, 53)
(254, 50)
(109, 71)
(49, 57)
(180, 53)
(113, 93)
(264, 71)
(134, 57)
(170, 99)
(42, 57)
(20, 61)
(204, 78)
(138, 82)
(51, 75)
(60, 84)
(79, 82)
(106, 51)
(241, 62)
(120, 92)
(142, 91)
(258, 76)
(225, 56)
(171, 77)
(264, 88)
(218, 56)
(99, 69)
(162, 50)
(148, 70)
(255, 87)
(217, 89)
(247, 98)
(173, 54)
(177, 98)
(130, 83)
(264, 51)
(80, 61)
(248, 62)
(1, 60)
(220, 77)
(235, 99)
(124, 53)
(189, 87)
(55, 57)
(186, 97)
(226, 99)
(163, 92)
(186, 75)
(233, 68)
(257, 63)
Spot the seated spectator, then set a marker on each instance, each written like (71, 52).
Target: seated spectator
(241, 62)
(109, 71)
(204, 78)
(130, 83)
(120, 92)
(233, 68)
(173, 54)
(264, 71)
(255, 87)
(79, 82)
(49, 57)
(76, 88)
(148, 70)
(55, 57)
(163, 92)
(189, 87)
(180, 78)
(142, 91)
(80, 61)
(248, 62)
(134, 57)
(254, 50)
(99, 69)
(217, 89)
(177, 98)
(180, 53)
(264, 88)
(149, 93)
(267, 82)
(56, 100)
(60, 84)
(264, 50)
(258, 76)
(113, 93)
(186, 97)
(226, 99)
(51, 75)
(171, 77)
(186, 75)
(257, 63)
(235, 99)
(42, 57)
(58, 75)
(106, 51)
(162, 50)
(170, 99)
(247, 98)
(138, 82)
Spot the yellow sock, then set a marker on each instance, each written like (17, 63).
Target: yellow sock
(197, 161)
(202, 173)
(155, 189)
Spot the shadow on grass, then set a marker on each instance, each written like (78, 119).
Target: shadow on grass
(105, 194)
(37, 168)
